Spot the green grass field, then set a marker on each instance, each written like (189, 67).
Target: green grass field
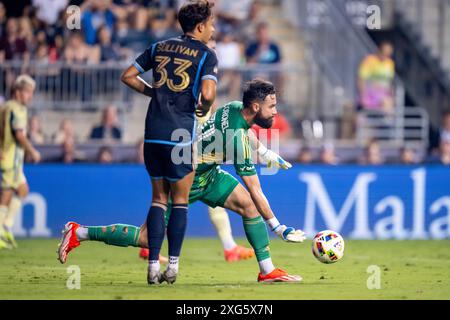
(409, 270)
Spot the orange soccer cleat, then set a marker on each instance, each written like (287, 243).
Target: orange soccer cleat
(238, 253)
(143, 253)
(278, 275)
(69, 241)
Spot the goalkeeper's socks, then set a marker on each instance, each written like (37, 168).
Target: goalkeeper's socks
(155, 230)
(121, 235)
(266, 266)
(177, 228)
(257, 236)
(82, 233)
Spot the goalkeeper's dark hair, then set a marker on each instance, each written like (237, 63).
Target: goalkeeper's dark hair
(257, 90)
(194, 12)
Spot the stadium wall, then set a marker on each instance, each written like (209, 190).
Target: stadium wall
(359, 202)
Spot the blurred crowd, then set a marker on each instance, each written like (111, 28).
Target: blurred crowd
(36, 32)
(113, 30)
(373, 155)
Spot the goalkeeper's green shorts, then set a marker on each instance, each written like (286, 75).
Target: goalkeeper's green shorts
(213, 187)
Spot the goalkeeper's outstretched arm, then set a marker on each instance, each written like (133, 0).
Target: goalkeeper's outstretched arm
(262, 204)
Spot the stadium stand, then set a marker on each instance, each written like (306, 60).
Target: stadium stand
(77, 71)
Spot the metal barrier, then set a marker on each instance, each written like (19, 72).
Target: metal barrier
(69, 87)
(404, 125)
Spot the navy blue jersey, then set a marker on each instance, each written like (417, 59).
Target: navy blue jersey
(179, 65)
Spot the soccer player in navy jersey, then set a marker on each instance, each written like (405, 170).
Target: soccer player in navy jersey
(184, 86)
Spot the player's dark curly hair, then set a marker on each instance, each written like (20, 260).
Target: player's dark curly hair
(193, 13)
(257, 90)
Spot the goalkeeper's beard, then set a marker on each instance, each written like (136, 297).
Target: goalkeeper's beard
(262, 122)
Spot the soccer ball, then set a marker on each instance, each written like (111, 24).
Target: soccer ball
(328, 246)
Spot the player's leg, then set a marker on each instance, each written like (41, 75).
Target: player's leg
(119, 235)
(176, 226)
(14, 206)
(156, 228)
(232, 251)
(6, 194)
(155, 156)
(256, 231)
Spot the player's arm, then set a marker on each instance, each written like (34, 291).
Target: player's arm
(208, 89)
(23, 141)
(271, 158)
(246, 170)
(131, 78)
(288, 234)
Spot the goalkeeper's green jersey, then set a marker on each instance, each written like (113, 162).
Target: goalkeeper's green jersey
(224, 138)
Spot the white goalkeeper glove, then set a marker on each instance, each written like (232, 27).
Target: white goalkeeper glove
(272, 159)
(289, 234)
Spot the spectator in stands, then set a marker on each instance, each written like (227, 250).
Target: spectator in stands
(48, 11)
(3, 19)
(372, 154)
(66, 132)
(127, 37)
(78, 52)
(12, 46)
(96, 14)
(108, 129)
(445, 152)
(165, 26)
(263, 50)
(445, 128)
(105, 155)
(280, 123)
(327, 155)
(110, 51)
(437, 135)
(246, 31)
(69, 152)
(35, 133)
(26, 33)
(229, 54)
(305, 156)
(232, 14)
(376, 80)
(408, 156)
(443, 155)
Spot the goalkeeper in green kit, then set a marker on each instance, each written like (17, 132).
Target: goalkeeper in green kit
(223, 137)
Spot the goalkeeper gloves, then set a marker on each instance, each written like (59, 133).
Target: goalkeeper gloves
(289, 234)
(272, 159)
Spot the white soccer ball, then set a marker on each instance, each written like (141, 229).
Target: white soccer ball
(328, 246)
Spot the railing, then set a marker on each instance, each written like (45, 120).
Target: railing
(72, 87)
(404, 125)
(68, 87)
